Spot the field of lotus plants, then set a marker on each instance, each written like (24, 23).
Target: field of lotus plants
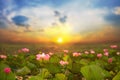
(90, 64)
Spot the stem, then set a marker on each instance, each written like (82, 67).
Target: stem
(5, 76)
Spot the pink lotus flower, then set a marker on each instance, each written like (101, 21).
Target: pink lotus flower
(7, 70)
(42, 56)
(66, 51)
(47, 57)
(38, 57)
(25, 50)
(110, 60)
(92, 51)
(106, 54)
(75, 54)
(99, 55)
(3, 56)
(86, 52)
(63, 62)
(113, 46)
(105, 50)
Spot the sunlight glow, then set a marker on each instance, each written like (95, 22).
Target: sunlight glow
(60, 40)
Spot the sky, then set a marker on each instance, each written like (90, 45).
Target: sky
(34, 21)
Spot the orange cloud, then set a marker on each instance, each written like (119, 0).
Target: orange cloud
(106, 34)
(10, 36)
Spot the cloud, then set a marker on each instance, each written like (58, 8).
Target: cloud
(17, 38)
(20, 20)
(38, 16)
(57, 13)
(3, 24)
(103, 33)
(116, 10)
(86, 19)
(46, 17)
(4, 36)
(63, 19)
(80, 16)
(113, 19)
(41, 30)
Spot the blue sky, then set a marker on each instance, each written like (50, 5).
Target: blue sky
(66, 18)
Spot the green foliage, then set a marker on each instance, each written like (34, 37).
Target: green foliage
(44, 74)
(34, 69)
(53, 68)
(85, 66)
(16, 62)
(65, 58)
(54, 59)
(75, 67)
(35, 78)
(70, 76)
(70, 63)
(60, 76)
(23, 71)
(117, 77)
(31, 65)
(93, 72)
(3, 75)
(100, 63)
(84, 62)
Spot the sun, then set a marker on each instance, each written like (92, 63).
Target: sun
(60, 40)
